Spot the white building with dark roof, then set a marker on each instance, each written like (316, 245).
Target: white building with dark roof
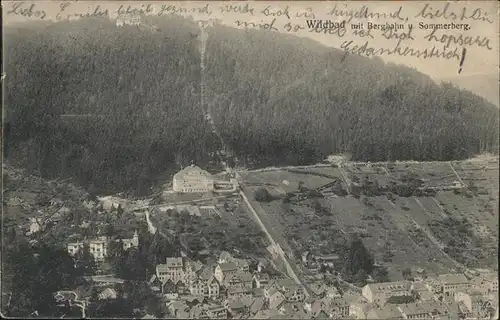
(379, 293)
(193, 179)
(453, 282)
(173, 269)
(224, 270)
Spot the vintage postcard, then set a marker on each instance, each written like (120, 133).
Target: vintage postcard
(250, 160)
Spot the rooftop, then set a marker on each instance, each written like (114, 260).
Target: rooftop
(230, 266)
(428, 307)
(192, 170)
(174, 262)
(387, 312)
(286, 283)
(453, 278)
(389, 286)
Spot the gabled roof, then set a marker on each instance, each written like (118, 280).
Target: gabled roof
(272, 290)
(237, 290)
(240, 262)
(389, 286)
(236, 304)
(452, 278)
(247, 301)
(322, 315)
(228, 267)
(262, 277)
(318, 288)
(195, 265)
(244, 276)
(153, 278)
(387, 312)
(192, 298)
(257, 305)
(286, 283)
(206, 273)
(426, 307)
(169, 282)
(161, 268)
(258, 292)
(224, 255)
(277, 302)
(263, 261)
(215, 307)
(174, 263)
(192, 171)
(316, 307)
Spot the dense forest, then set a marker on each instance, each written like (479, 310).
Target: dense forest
(275, 99)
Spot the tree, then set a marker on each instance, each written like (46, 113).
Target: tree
(358, 258)
(119, 211)
(360, 277)
(260, 108)
(34, 275)
(401, 299)
(115, 249)
(85, 262)
(356, 191)
(406, 273)
(109, 230)
(262, 195)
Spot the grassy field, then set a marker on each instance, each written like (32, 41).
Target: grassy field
(401, 232)
(232, 230)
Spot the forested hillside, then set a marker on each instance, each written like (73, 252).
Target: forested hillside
(276, 99)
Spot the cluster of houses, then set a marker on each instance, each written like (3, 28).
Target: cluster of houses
(230, 288)
(99, 247)
(227, 288)
(446, 296)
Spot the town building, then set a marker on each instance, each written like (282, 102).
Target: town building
(472, 304)
(453, 282)
(225, 257)
(274, 298)
(108, 293)
(191, 270)
(338, 308)
(155, 284)
(292, 291)
(193, 179)
(173, 269)
(216, 312)
(208, 288)
(238, 279)
(486, 283)
(98, 248)
(379, 293)
(422, 291)
(224, 270)
(261, 265)
(326, 260)
(423, 310)
(260, 280)
(386, 312)
(35, 226)
(131, 243)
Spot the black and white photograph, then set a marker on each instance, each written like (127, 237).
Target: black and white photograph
(250, 160)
